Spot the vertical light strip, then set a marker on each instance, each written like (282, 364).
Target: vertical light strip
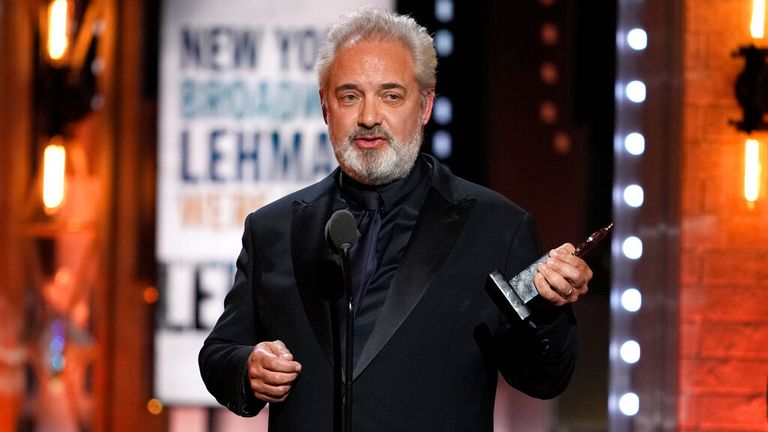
(624, 400)
(54, 167)
(644, 351)
(58, 41)
(752, 170)
(442, 139)
(757, 25)
(646, 198)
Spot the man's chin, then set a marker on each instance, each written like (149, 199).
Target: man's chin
(375, 166)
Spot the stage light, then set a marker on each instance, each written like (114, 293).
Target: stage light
(444, 10)
(637, 39)
(629, 404)
(443, 110)
(632, 248)
(54, 167)
(155, 406)
(634, 143)
(752, 101)
(631, 300)
(757, 24)
(58, 29)
(444, 43)
(635, 91)
(630, 351)
(442, 144)
(633, 195)
(752, 170)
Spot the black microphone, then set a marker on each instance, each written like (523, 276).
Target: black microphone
(340, 235)
(341, 231)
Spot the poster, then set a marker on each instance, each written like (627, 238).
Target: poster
(240, 125)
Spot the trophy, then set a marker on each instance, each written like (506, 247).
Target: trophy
(519, 292)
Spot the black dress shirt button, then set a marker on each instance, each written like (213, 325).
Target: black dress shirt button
(544, 346)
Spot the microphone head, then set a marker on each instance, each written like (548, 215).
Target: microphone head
(341, 231)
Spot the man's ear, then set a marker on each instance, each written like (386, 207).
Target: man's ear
(429, 100)
(323, 106)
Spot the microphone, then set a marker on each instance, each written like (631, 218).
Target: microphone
(341, 231)
(340, 235)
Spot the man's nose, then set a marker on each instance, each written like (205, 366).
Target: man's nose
(370, 114)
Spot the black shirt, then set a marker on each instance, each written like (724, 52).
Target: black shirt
(402, 201)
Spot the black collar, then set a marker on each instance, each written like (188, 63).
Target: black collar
(392, 194)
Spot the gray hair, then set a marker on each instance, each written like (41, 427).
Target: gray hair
(368, 23)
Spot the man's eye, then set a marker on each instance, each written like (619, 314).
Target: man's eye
(348, 97)
(393, 97)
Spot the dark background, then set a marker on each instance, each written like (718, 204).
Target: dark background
(561, 170)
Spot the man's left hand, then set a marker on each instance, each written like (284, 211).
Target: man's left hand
(563, 277)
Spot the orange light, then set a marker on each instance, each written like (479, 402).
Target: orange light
(150, 295)
(752, 170)
(58, 35)
(155, 406)
(757, 25)
(54, 160)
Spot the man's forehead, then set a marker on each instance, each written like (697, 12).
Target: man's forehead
(383, 62)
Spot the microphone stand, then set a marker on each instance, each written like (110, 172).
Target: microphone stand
(350, 338)
(341, 233)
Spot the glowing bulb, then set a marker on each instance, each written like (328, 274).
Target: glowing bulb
(58, 41)
(444, 43)
(54, 158)
(631, 300)
(632, 248)
(637, 39)
(442, 144)
(752, 170)
(629, 404)
(633, 195)
(635, 91)
(444, 10)
(635, 143)
(630, 351)
(757, 25)
(155, 406)
(443, 110)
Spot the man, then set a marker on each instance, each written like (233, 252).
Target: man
(429, 341)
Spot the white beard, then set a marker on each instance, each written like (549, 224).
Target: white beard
(377, 167)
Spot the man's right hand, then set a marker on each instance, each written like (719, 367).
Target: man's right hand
(272, 371)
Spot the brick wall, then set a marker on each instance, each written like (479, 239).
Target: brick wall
(724, 244)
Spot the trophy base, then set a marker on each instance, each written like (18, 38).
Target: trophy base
(516, 296)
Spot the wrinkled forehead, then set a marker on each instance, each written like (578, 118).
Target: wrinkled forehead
(373, 61)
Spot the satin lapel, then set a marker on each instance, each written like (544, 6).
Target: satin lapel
(308, 249)
(435, 233)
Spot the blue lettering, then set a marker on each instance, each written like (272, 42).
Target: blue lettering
(246, 44)
(299, 46)
(324, 159)
(308, 48)
(220, 48)
(286, 158)
(215, 154)
(283, 40)
(245, 155)
(190, 48)
(186, 175)
(214, 46)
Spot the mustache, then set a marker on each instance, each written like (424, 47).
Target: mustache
(363, 132)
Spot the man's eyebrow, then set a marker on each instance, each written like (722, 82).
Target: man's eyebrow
(385, 86)
(348, 86)
(389, 86)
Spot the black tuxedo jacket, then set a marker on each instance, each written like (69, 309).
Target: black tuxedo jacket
(431, 362)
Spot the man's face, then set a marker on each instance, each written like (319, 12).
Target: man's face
(374, 110)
